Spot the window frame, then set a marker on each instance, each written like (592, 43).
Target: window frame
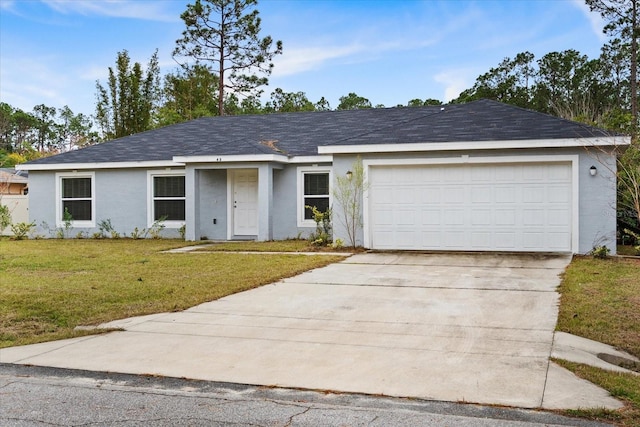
(59, 199)
(151, 198)
(301, 172)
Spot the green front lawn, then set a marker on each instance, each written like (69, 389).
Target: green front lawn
(48, 287)
(601, 301)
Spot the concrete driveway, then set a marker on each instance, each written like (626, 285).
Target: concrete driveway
(455, 327)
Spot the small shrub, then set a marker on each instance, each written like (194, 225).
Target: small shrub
(106, 228)
(138, 234)
(82, 235)
(155, 231)
(5, 217)
(600, 252)
(339, 243)
(183, 231)
(322, 236)
(67, 222)
(635, 236)
(22, 230)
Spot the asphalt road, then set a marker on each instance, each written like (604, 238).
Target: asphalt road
(35, 396)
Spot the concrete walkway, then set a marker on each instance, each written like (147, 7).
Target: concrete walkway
(462, 327)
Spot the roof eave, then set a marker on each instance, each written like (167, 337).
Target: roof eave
(477, 145)
(98, 165)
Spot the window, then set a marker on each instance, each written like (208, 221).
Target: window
(76, 196)
(167, 198)
(313, 190)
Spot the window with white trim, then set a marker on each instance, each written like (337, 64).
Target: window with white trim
(167, 198)
(313, 190)
(75, 198)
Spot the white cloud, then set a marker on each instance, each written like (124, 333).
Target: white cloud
(146, 10)
(298, 60)
(27, 82)
(594, 18)
(454, 81)
(7, 4)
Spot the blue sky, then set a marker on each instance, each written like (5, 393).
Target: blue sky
(53, 51)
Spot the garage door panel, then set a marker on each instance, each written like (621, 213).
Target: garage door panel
(505, 241)
(449, 175)
(454, 217)
(454, 195)
(405, 238)
(558, 172)
(405, 217)
(505, 195)
(481, 194)
(454, 239)
(559, 240)
(430, 195)
(481, 217)
(559, 194)
(559, 217)
(514, 207)
(535, 217)
(480, 174)
(403, 195)
(431, 217)
(504, 217)
(534, 240)
(505, 175)
(481, 240)
(533, 194)
(533, 173)
(431, 239)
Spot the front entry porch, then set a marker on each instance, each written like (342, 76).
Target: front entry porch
(232, 202)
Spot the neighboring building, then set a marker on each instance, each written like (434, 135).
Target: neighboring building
(14, 187)
(14, 182)
(481, 176)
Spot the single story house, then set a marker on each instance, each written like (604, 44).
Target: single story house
(481, 176)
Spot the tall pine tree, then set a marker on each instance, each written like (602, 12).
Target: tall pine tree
(225, 33)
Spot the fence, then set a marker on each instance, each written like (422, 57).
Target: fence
(18, 208)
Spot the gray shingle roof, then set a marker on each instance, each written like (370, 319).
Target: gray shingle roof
(300, 134)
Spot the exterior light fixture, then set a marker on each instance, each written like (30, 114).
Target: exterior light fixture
(593, 171)
(349, 175)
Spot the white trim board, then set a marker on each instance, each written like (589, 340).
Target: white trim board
(181, 161)
(106, 165)
(152, 174)
(300, 172)
(58, 202)
(475, 145)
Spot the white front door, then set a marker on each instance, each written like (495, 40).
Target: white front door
(245, 202)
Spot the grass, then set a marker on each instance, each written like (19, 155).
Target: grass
(601, 301)
(49, 287)
(622, 386)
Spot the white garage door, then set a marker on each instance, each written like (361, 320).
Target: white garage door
(490, 207)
